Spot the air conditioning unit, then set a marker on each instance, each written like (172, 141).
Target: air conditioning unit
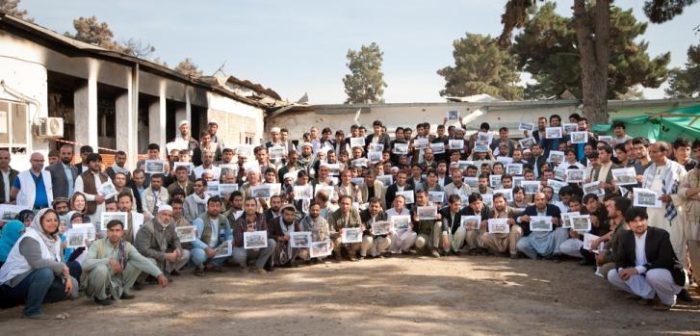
(49, 127)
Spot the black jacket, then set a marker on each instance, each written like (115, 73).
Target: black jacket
(659, 253)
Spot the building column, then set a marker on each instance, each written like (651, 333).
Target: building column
(156, 120)
(85, 110)
(126, 126)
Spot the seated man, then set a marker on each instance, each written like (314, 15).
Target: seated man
(541, 243)
(317, 225)
(502, 242)
(452, 230)
(344, 217)
(646, 265)
(616, 208)
(375, 245)
(427, 230)
(402, 240)
(113, 265)
(476, 207)
(213, 229)
(279, 228)
(158, 241)
(251, 221)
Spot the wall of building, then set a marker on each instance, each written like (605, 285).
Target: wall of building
(235, 120)
(394, 115)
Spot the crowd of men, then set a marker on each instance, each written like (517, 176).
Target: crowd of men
(560, 192)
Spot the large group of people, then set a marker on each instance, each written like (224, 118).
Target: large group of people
(626, 207)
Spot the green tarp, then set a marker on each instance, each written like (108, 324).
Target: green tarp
(659, 127)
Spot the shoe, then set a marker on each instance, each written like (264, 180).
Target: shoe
(661, 307)
(514, 256)
(269, 268)
(175, 273)
(353, 259)
(585, 262)
(126, 296)
(260, 270)
(198, 271)
(684, 296)
(105, 302)
(216, 268)
(435, 254)
(645, 302)
(40, 316)
(244, 270)
(338, 258)
(361, 258)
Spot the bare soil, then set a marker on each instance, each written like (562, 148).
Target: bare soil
(393, 296)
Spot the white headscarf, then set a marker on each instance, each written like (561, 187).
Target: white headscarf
(50, 239)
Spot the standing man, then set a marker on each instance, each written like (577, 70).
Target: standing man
(63, 174)
(89, 182)
(663, 177)
(689, 189)
(213, 127)
(8, 176)
(33, 188)
(117, 167)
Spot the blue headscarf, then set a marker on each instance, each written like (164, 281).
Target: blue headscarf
(11, 232)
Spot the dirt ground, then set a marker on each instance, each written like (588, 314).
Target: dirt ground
(394, 296)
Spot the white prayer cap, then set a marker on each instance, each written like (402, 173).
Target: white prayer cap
(213, 122)
(164, 207)
(291, 175)
(527, 150)
(459, 129)
(275, 130)
(306, 144)
(394, 169)
(182, 122)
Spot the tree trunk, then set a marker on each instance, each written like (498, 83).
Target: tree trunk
(594, 44)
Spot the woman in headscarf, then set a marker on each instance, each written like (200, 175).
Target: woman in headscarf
(34, 272)
(11, 232)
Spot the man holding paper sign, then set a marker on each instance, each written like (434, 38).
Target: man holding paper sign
(502, 242)
(543, 244)
(344, 217)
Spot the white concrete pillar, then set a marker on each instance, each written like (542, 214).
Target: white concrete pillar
(127, 118)
(85, 104)
(156, 119)
(133, 143)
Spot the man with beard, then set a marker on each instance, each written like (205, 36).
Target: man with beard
(344, 217)
(541, 243)
(113, 265)
(134, 220)
(280, 228)
(63, 174)
(158, 241)
(89, 182)
(375, 245)
(213, 229)
(317, 225)
(251, 221)
(196, 203)
(502, 242)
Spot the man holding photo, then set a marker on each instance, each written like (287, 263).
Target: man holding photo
(344, 217)
(251, 221)
(213, 229)
(540, 243)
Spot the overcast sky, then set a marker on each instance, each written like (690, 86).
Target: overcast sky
(299, 46)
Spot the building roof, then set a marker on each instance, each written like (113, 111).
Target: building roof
(73, 47)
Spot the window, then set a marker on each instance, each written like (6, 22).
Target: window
(247, 138)
(13, 125)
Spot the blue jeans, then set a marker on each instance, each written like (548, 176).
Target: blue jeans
(199, 257)
(40, 286)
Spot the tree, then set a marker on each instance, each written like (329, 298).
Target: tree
(188, 68)
(365, 83)
(593, 42)
(481, 67)
(685, 83)
(547, 48)
(10, 7)
(90, 30)
(137, 48)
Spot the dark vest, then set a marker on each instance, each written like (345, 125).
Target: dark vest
(89, 187)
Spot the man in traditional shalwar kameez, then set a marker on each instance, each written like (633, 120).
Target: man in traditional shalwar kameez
(113, 265)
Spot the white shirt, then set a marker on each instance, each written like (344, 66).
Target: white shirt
(6, 180)
(214, 231)
(640, 256)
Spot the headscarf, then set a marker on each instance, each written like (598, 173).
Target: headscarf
(50, 239)
(11, 232)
